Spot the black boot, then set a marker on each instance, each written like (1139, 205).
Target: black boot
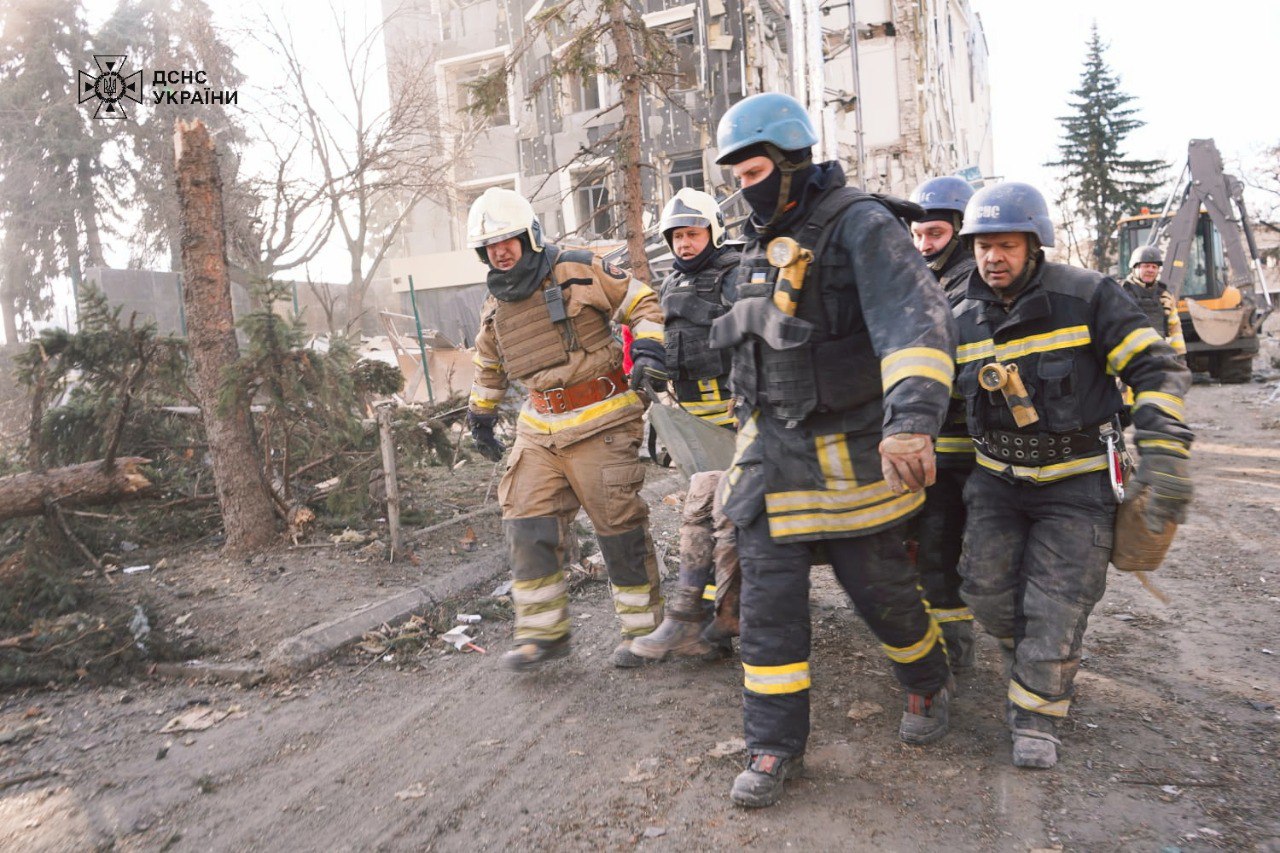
(533, 653)
(925, 719)
(760, 784)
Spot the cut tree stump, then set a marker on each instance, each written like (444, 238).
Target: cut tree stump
(75, 485)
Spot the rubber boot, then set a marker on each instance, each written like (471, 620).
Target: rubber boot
(725, 624)
(533, 653)
(680, 633)
(761, 783)
(1035, 746)
(961, 652)
(925, 719)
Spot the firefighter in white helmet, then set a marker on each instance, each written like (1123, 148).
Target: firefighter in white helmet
(546, 324)
(693, 294)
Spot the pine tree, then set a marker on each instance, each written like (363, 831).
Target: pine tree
(1101, 182)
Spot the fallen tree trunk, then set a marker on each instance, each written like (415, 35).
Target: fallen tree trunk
(76, 485)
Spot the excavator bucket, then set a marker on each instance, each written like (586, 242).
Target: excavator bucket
(694, 444)
(1216, 327)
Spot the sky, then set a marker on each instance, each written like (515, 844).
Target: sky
(1195, 69)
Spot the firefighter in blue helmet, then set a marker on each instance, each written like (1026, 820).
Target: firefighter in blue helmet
(937, 530)
(1040, 343)
(842, 362)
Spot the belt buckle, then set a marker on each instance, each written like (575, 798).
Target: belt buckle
(556, 401)
(612, 389)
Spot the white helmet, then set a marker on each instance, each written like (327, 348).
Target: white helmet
(692, 208)
(499, 214)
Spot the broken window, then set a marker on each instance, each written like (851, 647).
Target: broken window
(494, 95)
(594, 204)
(684, 46)
(686, 172)
(581, 92)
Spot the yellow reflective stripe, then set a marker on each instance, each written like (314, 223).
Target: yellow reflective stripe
(635, 292)
(633, 596)
(1134, 342)
(958, 614)
(966, 353)
(704, 407)
(843, 522)
(833, 458)
(1173, 448)
(773, 680)
(952, 444)
(539, 591)
(484, 363)
(1046, 473)
(917, 650)
(709, 592)
(1064, 338)
(1024, 698)
(576, 417)
(830, 500)
(1170, 404)
(926, 362)
(482, 404)
(647, 331)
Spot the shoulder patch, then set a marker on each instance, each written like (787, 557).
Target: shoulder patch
(613, 269)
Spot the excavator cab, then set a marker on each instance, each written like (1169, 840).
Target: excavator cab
(1211, 265)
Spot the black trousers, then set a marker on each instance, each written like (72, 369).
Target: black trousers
(1034, 565)
(937, 531)
(883, 586)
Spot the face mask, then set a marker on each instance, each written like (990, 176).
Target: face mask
(763, 196)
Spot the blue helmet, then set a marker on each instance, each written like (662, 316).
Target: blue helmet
(1011, 206)
(946, 193)
(767, 117)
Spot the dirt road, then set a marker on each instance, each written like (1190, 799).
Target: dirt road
(1172, 743)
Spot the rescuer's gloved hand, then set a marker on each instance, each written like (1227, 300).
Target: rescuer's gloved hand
(648, 367)
(906, 459)
(482, 434)
(1167, 302)
(1168, 479)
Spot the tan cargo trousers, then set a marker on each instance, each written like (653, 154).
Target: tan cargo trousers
(602, 474)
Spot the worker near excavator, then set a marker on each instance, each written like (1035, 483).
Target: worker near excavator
(938, 529)
(693, 294)
(1153, 296)
(1040, 343)
(546, 324)
(842, 364)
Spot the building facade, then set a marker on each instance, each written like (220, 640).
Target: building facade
(898, 89)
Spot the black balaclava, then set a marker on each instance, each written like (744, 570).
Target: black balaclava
(697, 262)
(771, 198)
(937, 261)
(523, 279)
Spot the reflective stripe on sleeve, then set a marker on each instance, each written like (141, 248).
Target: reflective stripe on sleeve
(925, 362)
(1170, 404)
(1134, 342)
(917, 650)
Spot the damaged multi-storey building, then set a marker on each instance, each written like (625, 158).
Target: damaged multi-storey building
(898, 89)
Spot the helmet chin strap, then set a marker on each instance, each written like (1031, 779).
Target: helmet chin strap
(787, 169)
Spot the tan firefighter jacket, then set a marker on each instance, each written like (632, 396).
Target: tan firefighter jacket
(521, 341)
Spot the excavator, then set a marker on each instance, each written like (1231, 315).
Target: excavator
(1211, 264)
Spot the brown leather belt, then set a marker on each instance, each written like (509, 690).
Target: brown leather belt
(555, 401)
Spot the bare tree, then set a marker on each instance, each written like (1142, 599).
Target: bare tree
(373, 162)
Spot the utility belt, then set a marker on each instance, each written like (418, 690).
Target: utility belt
(1038, 449)
(556, 401)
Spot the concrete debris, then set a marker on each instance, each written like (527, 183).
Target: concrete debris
(416, 791)
(726, 748)
(860, 711)
(198, 719)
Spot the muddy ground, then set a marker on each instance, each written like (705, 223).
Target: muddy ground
(1172, 742)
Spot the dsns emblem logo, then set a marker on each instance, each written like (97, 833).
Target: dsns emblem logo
(110, 87)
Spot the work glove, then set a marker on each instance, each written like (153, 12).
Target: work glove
(1167, 302)
(482, 434)
(906, 460)
(1168, 480)
(648, 368)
